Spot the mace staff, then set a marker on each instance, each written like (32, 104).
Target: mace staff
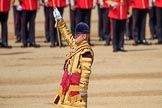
(56, 22)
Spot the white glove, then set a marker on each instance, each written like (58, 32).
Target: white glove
(113, 4)
(83, 93)
(19, 8)
(57, 14)
(129, 15)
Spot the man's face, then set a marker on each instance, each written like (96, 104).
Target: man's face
(80, 37)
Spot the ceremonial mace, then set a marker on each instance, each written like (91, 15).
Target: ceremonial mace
(56, 22)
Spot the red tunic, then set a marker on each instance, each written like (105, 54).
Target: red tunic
(84, 4)
(120, 11)
(158, 3)
(105, 4)
(140, 4)
(4, 5)
(29, 5)
(57, 3)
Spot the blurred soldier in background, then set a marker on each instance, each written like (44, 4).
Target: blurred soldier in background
(104, 21)
(140, 9)
(29, 9)
(17, 20)
(47, 20)
(152, 19)
(60, 4)
(4, 11)
(158, 5)
(84, 8)
(118, 14)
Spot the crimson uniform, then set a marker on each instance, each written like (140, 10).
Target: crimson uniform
(158, 5)
(4, 10)
(140, 8)
(60, 4)
(104, 21)
(84, 8)
(5, 5)
(57, 3)
(118, 14)
(29, 8)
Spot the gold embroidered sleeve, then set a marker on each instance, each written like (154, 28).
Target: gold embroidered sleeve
(65, 32)
(86, 63)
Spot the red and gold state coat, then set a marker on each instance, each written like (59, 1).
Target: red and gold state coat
(77, 70)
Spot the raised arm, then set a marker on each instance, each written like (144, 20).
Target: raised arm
(65, 32)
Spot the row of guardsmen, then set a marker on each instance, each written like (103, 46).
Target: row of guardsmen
(115, 18)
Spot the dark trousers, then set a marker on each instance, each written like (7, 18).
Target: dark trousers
(152, 21)
(17, 23)
(14, 16)
(28, 26)
(107, 26)
(159, 23)
(139, 23)
(84, 15)
(118, 28)
(47, 23)
(72, 20)
(52, 30)
(129, 28)
(100, 23)
(103, 24)
(4, 31)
